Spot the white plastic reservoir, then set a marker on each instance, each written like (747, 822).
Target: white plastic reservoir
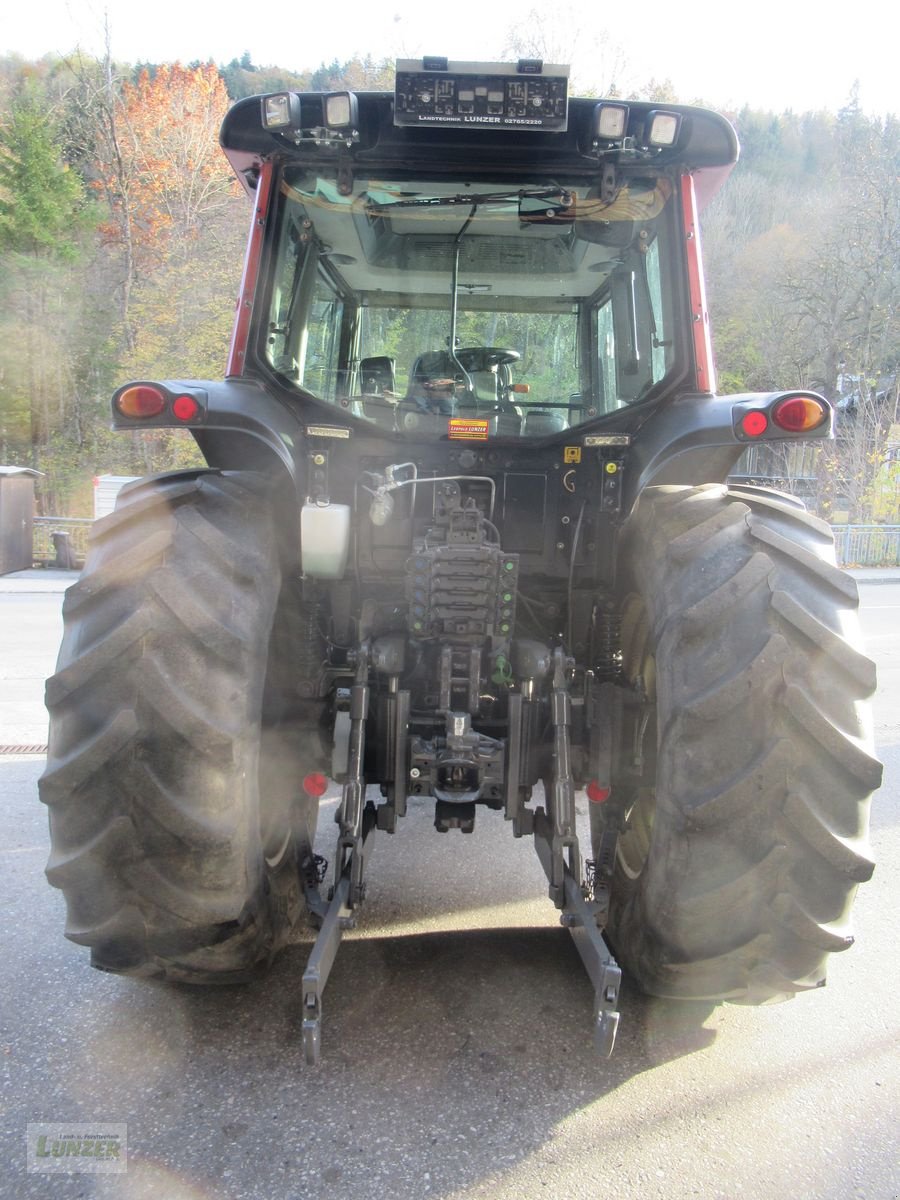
(324, 540)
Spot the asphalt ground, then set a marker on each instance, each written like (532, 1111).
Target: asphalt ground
(456, 1050)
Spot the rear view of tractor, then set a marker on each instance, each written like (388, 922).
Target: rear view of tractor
(465, 535)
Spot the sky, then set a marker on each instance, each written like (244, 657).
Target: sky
(783, 54)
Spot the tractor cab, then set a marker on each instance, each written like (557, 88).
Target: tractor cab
(511, 257)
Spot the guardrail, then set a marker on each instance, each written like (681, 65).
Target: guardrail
(867, 545)
(77, 530)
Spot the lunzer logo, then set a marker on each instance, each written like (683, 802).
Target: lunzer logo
(77, 1147)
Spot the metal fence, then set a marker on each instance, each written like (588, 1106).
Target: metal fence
(856, 545)
(77, 529)
(867, 545)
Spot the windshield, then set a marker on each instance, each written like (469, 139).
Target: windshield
(474, 310)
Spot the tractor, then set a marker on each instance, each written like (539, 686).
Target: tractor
(465, 536)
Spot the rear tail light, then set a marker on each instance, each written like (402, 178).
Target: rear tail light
(141, 401)
(597, 792)
(780, 416)
(159, 404)
(185, 408)
(315, 784)
(754, 423)
(798, 414)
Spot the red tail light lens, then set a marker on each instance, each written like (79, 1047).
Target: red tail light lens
(315, 784)
(185, 408)
(141, 401)
(798, 414)
(597, 793)
(754, 423)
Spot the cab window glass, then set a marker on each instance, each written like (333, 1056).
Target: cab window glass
(320, 368)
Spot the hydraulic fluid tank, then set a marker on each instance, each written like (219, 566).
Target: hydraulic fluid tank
(324, 540)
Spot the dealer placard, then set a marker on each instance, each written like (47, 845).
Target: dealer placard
(468, 429)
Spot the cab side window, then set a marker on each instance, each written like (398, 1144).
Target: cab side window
(319, 372)
(606, 357)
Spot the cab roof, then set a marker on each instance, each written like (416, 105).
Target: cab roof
(706, 145)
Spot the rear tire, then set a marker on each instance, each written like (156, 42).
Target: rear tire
(747, 833)
(174, 861)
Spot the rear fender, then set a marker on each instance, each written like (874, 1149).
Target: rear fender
(698, 439)
(238, 425)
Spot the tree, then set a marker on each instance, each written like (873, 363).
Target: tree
(564, 34)
(803, 251)
(172, 203)
(242, 81)
(842, 298)
(40, 197)
(161, 167)
(43, 217)
(142, 283)
(361, 74)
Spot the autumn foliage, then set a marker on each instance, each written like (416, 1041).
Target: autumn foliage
(160, 165)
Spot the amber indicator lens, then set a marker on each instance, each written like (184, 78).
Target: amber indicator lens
(754, 423)
(141, 401)
(798, 414)
(185, 408)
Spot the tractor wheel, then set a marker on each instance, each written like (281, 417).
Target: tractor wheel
(174, 858)
(746, 831)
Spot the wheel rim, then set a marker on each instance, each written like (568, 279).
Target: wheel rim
(638, 665)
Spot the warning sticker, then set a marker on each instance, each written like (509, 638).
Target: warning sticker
(572, 454)
(468, 429)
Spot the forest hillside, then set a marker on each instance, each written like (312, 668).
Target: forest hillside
(122, 232)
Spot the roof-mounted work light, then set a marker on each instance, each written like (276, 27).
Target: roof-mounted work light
(281, 111)
(341, 111)
(663, 128)
(610, 121)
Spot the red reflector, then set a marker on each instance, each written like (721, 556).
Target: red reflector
(141, 401)
(315, 784)
(185, 408)
(797, 414)
(754, 423)
(597, 793)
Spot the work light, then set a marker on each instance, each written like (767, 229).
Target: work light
(611, 121)
(663, 128)
(281, 111)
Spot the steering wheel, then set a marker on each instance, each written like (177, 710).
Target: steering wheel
(483, 358)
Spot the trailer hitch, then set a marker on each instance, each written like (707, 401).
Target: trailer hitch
(583, 910)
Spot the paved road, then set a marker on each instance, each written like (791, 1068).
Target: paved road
(456, 1057)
